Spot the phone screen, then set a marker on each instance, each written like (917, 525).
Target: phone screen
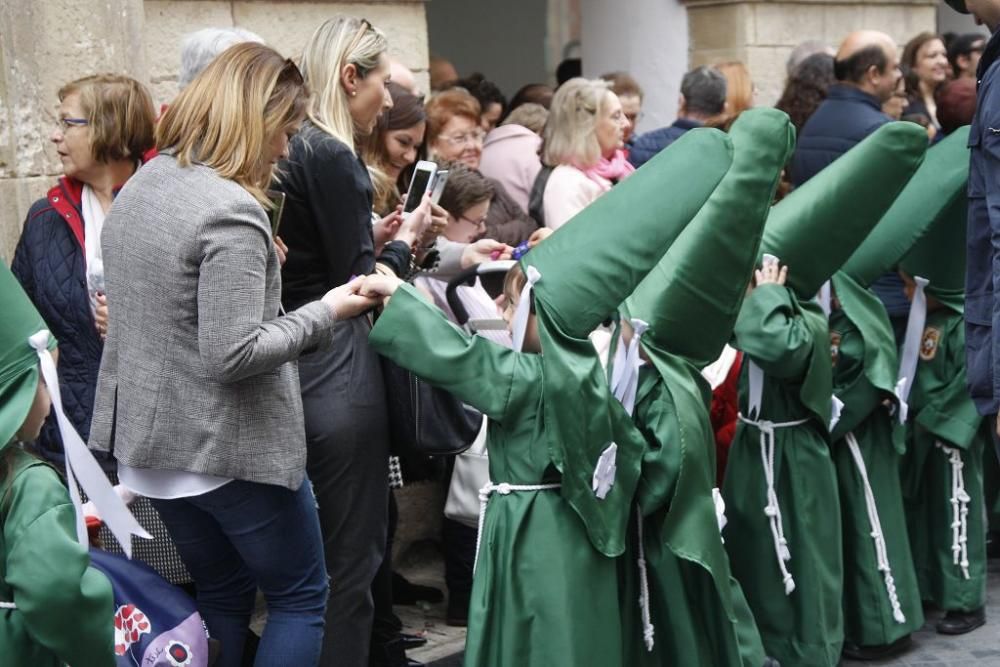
(418, 187)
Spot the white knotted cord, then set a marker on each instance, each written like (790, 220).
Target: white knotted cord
(8, 605)
(959, 510)
(647, 621)
(503, 489)
(881, 549)
(625, 386)
(773, 508)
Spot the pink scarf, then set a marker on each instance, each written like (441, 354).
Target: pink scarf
(614, 169)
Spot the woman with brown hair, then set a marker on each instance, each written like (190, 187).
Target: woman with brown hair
(198, 393)
(394, 145)
(739, 93)
(925, 67)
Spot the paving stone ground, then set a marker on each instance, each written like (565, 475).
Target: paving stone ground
(980, 648)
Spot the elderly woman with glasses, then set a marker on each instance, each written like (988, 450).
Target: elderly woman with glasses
(104, 124)
(454, 133)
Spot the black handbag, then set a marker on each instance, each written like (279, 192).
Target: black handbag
(425, 420)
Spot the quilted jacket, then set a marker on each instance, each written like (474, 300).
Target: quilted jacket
(50, 263)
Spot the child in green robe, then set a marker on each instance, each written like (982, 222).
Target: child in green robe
(692, 611)
(564, 456)
(943, 472)
(780, 487)
(881, 596)
(54, 608)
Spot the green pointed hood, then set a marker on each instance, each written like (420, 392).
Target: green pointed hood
(939, 256)
(818, 226)
(941, 180)
(590, 264)
(584, 271)
(704, 275)
(18, 360)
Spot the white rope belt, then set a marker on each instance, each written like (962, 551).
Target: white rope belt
(647, 621)
(959, 510)
(8, 605)
(503, 489)
(881, 550)
(773, 509)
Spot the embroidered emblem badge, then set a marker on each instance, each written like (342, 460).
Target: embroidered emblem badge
(929, 343)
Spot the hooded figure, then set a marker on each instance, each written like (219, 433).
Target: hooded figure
(54, 608)
(564, 455)
(881, 598)
(942, 470)
(691, 610)
(780, 488)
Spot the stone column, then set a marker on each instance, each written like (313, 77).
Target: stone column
(44, 45)
(649, 40)
(762, 33)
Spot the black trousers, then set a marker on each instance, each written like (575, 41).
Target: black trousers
(343, 399)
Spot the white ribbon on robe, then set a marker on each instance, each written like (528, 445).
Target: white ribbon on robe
(520, 325)
(82, 467)
(911, 346)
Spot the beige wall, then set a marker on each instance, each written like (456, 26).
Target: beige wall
(45, 44)
(762, 34)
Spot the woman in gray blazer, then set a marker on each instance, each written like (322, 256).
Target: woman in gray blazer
(198, 394)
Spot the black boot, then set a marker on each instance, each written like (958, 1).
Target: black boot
(960, 622)
(855, 652)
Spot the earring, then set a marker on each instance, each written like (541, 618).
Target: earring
(353, 93)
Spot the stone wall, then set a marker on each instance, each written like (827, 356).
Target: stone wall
(46, 44)
(763, 33)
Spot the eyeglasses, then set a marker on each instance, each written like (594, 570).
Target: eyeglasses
(475, 137)
(66, 123)
(474, 223)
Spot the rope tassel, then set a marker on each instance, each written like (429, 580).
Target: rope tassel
(881, 549)
(960, 510)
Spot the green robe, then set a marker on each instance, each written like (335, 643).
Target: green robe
(788, 340)
(542, 595)
(942, 414)
(65, 612)
(864, 362)
(698, 611)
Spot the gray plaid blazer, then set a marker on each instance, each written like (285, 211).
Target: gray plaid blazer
(199, 371)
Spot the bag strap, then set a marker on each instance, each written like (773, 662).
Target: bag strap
(536, 199)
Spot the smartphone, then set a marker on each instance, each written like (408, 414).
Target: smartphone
(277, 209)
(420, 184)
(439, 181)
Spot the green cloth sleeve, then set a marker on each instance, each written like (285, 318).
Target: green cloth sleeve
(949, 413)
(66, 605)
(418, 337)
(771, 332)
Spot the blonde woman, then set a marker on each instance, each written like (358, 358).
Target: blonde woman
(198, 394)
(583, 141)
(328, 228)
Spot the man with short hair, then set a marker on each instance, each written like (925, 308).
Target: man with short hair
(964, 53)
(867, 71)
(703, 95)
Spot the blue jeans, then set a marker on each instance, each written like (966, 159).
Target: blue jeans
(242, 536)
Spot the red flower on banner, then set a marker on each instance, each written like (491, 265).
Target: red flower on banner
(130, 625)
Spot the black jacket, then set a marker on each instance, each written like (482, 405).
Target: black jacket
(327, 221)
(845, 117)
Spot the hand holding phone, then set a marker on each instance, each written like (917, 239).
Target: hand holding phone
(420, 184)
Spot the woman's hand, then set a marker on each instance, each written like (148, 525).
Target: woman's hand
(347, 301)
(281, 249)
(416, 223)
(538, 236)
(380, 286)
(485, 250)
(101, 315)
(771, 273)
(386, 229)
